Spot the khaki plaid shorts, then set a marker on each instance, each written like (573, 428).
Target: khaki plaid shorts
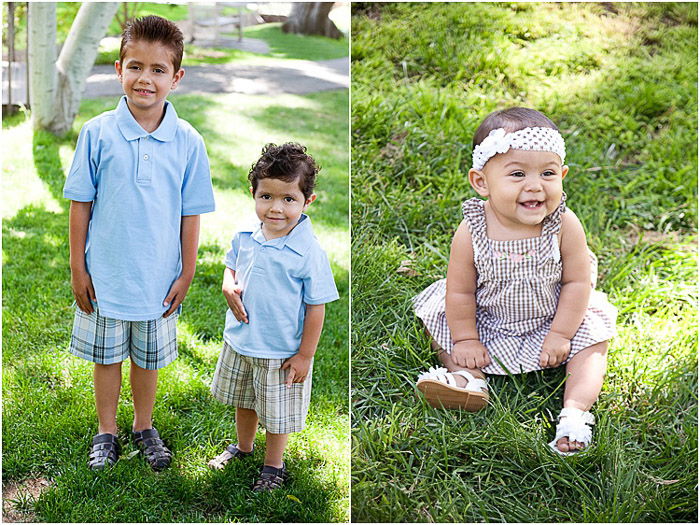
(258, 384)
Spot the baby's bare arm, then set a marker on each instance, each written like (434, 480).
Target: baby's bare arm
(575, 290)
(460, 302)
(576, 277)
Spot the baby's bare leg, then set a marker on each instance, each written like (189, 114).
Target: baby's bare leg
(586, 372)
(246, 427)
(108, 382)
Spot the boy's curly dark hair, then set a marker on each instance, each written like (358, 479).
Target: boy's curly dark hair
(287, 162)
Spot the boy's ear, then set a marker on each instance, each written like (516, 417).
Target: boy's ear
(251, 191)
(118, 68)
(177, 77)
(478, 181)
(564, 170)
(311, 198)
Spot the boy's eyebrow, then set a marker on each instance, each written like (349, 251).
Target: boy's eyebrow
(138, 62)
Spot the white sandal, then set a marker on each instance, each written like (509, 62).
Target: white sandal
(573, 424)
(441, 391)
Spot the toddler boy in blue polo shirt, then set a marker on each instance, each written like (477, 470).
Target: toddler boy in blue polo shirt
(138, 183)
(276, 282)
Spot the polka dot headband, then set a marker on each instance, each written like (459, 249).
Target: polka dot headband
(529, 139)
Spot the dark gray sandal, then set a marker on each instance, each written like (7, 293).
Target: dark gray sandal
(231, 452)
(153, 449)
(104, 452)
(271, 478)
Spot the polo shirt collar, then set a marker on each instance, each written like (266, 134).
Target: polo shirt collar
(298, 239)
(132, 130)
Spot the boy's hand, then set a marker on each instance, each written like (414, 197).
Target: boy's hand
(555, 350)
(176, 295)
(234, 298)
(298, 366)
(470, 354)
(81, 282)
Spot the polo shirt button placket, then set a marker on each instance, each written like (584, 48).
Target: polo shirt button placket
(145, 166)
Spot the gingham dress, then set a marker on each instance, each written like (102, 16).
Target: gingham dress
(518, 285)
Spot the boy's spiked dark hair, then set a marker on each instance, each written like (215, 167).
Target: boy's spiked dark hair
(511, 119)
(287, 162)
(154, 29)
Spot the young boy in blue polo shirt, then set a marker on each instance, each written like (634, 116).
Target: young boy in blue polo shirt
(276, 282)
(138, 183)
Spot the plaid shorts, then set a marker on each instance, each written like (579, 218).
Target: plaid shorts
(258, 384)
(150, 344)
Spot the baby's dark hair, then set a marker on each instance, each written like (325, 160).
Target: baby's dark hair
(511, 119)
(287, 162)
(154, 29)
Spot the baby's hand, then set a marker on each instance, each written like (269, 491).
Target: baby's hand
(470, 354)
(298, 366)
(234, 298)
(555, 350)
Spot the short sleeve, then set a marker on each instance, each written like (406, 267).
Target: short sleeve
(81, 182)
(232, 255)
(319, 286)
(197, 192)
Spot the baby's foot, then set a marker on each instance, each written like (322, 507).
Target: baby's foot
(564, 445)
(573, 432)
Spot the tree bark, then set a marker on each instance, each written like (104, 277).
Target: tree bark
(57, 85)
(311, 18)
(42, 62)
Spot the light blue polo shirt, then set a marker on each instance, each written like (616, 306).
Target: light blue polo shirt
(140, 184)
(279, 278)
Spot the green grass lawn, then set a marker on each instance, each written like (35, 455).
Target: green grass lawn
(48, 410)
(621, 82)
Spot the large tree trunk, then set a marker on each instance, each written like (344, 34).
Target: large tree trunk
(311, 18)
(42, 62)
(57, 85)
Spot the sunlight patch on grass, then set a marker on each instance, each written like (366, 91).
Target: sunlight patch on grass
(19, 177)
(233, 212)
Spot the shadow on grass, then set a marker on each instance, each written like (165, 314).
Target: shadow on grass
(188, 492)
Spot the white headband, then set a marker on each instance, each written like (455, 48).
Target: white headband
(530, 139)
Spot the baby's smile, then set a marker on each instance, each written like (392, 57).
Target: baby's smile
(532, 205)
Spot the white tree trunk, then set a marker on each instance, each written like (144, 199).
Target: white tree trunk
(77, 58)
(42, 60)
(57, 85)
(311, 18)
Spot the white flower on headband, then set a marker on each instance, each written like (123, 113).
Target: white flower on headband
(532, 139)
(495, 143)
